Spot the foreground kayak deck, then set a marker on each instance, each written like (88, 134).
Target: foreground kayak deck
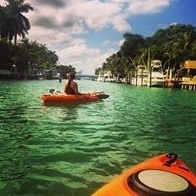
(64, 98)
(163, 175)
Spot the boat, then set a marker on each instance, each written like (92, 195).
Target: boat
(100, 78)
(56, 96)
(141, 76)
(156, 78)
(106, 77)
(162, 175)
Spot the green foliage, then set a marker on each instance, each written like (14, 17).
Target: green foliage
(27, 57)
(132, 44)
(5, 55)
(64, 70)
(175, 44)
(98, 71)
(13, 22)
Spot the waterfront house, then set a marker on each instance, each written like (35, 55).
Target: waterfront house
(188, 72)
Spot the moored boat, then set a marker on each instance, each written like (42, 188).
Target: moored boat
(56, 96)
(163, 175)
(156, 78)
(100, 78)
(141, 77)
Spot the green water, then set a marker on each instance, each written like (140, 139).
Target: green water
(73, 150)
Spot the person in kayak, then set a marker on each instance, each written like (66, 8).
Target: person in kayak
(71, 87)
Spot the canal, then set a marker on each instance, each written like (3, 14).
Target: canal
(72, 150)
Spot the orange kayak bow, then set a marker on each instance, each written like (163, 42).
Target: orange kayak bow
(163, 175)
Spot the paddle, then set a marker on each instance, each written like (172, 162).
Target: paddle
(102, 96)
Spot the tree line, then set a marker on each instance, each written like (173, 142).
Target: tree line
(25, 58)
(172, 46)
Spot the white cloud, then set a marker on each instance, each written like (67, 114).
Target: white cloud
(62, 25)
(147, 6)
(79, 50)
(82, 57)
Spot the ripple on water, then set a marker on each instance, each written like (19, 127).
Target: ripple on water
(74, 149)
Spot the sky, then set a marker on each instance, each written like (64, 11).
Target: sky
(83, 33)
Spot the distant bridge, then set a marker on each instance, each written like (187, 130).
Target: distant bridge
(86, 76)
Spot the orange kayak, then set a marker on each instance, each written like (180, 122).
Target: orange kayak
(163, 175)
(60, 97)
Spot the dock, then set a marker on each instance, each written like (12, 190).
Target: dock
(189, 85)
(172, 83)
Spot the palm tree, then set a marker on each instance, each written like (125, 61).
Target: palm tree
(16, 24)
